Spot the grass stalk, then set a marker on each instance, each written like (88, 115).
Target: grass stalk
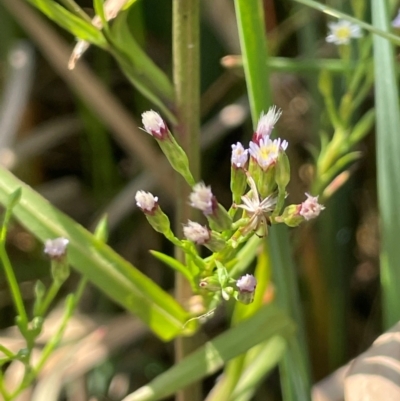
(186, 77)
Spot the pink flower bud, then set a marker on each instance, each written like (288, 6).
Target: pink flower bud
(56, 248)
(146, 201)
(310, 208)
(196, 233)
(266, 123)
(247, 283)
(154, 125)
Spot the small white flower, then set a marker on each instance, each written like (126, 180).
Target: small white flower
(247, 283)
(146, 201)
(266, 152)
(342, 31)
(154, 124)
(256, 208)
(267, 122)
(239, 155)
(196, 233)
(202, 198)
(396, 21)
(56, 248)
(310, 208)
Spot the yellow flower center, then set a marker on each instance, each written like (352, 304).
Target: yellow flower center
(343, 32)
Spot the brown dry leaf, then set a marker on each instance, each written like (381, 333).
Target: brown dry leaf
(375, 374)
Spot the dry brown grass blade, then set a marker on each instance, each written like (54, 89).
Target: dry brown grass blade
(372, 376)
(375, 374)
(95, 94)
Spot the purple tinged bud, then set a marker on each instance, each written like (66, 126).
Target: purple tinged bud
(196, 233)
(239, 156)
(154, 125)
(56, 248)
(266, 123)
(247, 283)
(310, 208)
(203, 199)
(146, 201)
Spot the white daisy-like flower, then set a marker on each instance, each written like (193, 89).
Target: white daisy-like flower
(154, 124)
(257, 208)
(267, 122)
(342, 32)
(146, 201)
(239, 155)
(310, 208)
(247, 283)
(202, 198)
(196, 233)
(56, 248)
(266, 152)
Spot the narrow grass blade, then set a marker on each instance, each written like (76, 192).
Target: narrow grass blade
(98, 262)
(295, 368)
(388, 163)
(266, 324)
(73, 24)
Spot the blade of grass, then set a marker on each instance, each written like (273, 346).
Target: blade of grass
(388, 162)
(266, 324)
(295, 367)
(77, 26)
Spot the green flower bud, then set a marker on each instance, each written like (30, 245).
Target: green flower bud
(156, 127)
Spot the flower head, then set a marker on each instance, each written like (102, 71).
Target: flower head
(146, 201)
(266, 123)
(239, 155)
(342, 31)
(396, 21)
(196, 233)
(56, 248)
(266, 152)
(256, 208)
(154, 124)
(202, 198)
(310, 208)
(247, 283)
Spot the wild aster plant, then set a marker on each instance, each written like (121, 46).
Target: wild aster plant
(259, 176)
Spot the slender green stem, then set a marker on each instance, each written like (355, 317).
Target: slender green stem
(72, 302)
(6, 351)
(12, 281)
(4, 393)
(51, 294)
(74, 8)
(186, 62)
(335, 13)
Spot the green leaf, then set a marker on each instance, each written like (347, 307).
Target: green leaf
(116, 277)
(267, 323)
(73, 24)
(176, 265)
(388, 162)
(144, 74)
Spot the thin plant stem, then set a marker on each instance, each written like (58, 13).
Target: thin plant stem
(186, 75)
(51, 294)
(75, 9)
(12, 281)
(6, 351)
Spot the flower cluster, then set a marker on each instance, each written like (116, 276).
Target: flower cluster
(260, 174)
